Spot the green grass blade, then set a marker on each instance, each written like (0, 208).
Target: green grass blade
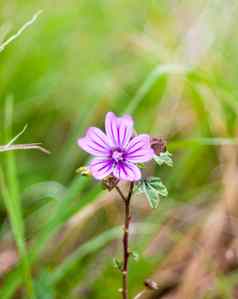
(150, 81)
(11, 196)
(17, 227)
(64, 211)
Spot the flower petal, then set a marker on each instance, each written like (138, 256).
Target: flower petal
(101, 167)
(127, 171)
(119, 129)
(95, 142)
(139, 149)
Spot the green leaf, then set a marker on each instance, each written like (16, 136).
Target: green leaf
(135, 255)
(156, 183)
(117, 264)
(152, 195)
(164, 158)
(152, 187)
(138, 188)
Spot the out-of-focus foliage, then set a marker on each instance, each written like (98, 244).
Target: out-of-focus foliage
(172, 65)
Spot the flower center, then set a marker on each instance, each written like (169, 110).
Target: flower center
(117, 155)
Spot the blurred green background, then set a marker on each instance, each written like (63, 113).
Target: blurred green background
(173, 66)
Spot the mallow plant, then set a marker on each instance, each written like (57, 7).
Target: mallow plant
(118, 155)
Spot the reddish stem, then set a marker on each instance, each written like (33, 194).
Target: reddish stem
(126, 252)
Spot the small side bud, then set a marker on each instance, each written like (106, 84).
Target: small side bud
(83, 170)
(151, 284)
(117, 264)
(159, 145)
(134, 255)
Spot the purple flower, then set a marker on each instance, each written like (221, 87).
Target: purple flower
(116, 152)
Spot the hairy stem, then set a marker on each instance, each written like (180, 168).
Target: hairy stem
(126, 251)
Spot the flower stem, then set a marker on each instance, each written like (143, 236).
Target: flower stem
(126, 251)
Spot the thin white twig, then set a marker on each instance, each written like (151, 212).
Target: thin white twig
(20, 31)
(16, 137)
(140, 294)
(14, 147)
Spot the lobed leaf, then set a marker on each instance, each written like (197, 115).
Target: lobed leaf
(164, 158)
(152, 187)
